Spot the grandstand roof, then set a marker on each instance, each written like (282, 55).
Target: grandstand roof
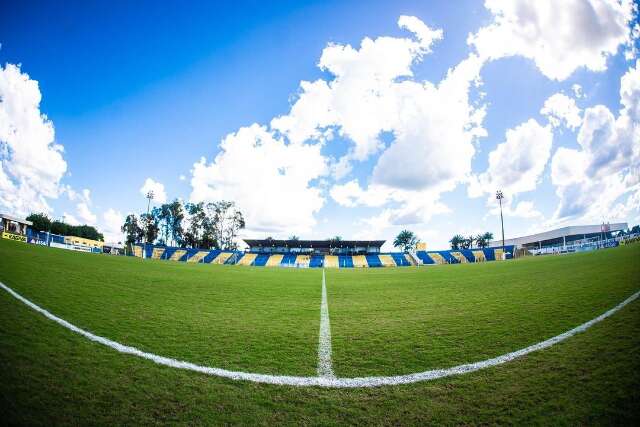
(575, 230)
(313, 243)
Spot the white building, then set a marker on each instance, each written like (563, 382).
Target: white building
(563, 236)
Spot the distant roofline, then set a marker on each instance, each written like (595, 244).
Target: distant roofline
(312, 243)
(569, 230)
(15, 219)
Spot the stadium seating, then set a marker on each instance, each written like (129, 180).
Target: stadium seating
(393, 259)
(222, 258)
(261, 260)
(288, 260)
(302, 261)
(197, 256)
(459, 257)
(274, 260)
(400, 260)
(387, 261)
(331, 261)
(359, 261)
(316, 261)
(247, 259)
(345, 261)
(373, 260)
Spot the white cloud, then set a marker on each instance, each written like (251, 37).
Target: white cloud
(112, 221)
(516, 165)
(577, 90)
(159, 194)
(523, 209)
(601, 180)
(182, 178)
(269, 179)
(559, 36)
(560, 109)
(371, 92)
(85, 215)
(31, 163)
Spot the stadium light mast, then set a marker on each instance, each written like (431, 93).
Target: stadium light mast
(500, 196)
(149, 197)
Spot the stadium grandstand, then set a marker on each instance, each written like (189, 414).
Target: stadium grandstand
(14, 228)
(321, 254)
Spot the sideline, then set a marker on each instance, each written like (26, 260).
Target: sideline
(322, 381)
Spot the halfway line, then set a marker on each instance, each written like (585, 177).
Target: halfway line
(325, 367)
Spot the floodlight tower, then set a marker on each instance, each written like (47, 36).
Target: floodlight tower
(500, 196)
(149, 197)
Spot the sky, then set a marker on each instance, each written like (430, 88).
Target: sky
(357, 119)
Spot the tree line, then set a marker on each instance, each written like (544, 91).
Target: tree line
(481, 241)
(213, 225)
(42, 222)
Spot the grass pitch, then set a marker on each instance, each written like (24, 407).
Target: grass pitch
(383, 322)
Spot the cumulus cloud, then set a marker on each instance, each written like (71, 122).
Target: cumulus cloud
(516, 165)
(371, 92)
(602, 178)
(559, 37)
(31, 163)
(159, 194)
(270, 179)
(112, 220)
(560, 109)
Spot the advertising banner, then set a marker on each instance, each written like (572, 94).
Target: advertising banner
(16, 237)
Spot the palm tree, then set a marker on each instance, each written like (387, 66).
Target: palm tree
(488, 237)
(406, 240)
(294, 238)
(480, 241)
(456, 241)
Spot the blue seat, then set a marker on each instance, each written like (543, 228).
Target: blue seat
(400, 260)
(261, 260)
(288, 259)
(316, 261)
(345, 261)
(373, 260)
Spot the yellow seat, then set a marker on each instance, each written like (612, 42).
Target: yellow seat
(479, 256)
(331, 261)
(274, 260)
(461, 258)
(157, 253)
(498, 254)
(437, 258)
(387, 261)
(197, 257)
(177, 255)
(303, 260)
(247, 259)
(221, 258)
(410, 259)
(137, 251)
(359, 261)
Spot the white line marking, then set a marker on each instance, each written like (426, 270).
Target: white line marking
(323, 381)
(325, 368)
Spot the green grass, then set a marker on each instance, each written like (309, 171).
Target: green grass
(383, 321)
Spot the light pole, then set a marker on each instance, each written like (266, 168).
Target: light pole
(500, 196)
(149, 197)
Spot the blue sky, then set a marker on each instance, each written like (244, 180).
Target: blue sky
(139, 91)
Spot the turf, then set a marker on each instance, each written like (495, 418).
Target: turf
(266, 320)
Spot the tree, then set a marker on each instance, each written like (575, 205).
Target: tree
(480, 241)
(468, 242)
(40, 221)
(456, 242)
(406, 240)
(149, 227)
(225, 223)
(176, 215)
(294, 238)
(132, 230)
(195, 230)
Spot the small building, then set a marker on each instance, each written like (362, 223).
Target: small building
(563, 236)
(82, 241)
(324, 247)
(14, 228)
